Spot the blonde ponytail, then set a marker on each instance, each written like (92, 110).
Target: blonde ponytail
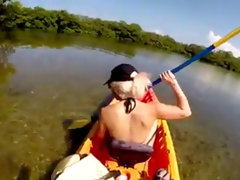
(140, 84)
(132, 89)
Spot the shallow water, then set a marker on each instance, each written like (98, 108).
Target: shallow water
(46, 79)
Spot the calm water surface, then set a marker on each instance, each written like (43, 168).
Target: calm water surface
(46, 79)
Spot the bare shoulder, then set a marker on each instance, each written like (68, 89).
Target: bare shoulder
(109, 107)
(147, 107)
(118, 107)
(105, 111)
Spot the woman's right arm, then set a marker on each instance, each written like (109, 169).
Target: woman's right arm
(178, 111)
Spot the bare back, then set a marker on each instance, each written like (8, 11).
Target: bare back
(134, 126)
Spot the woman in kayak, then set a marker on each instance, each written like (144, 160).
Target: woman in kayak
(130, 119)
(128, 127)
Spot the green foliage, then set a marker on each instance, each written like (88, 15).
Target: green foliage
(14, 16)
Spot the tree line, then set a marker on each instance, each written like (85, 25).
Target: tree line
(14, 16)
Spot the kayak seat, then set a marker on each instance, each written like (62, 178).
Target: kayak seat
(128, 154)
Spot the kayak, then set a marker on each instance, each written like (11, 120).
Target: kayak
(163, 157)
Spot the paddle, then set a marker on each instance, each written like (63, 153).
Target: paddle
(81, 123)
(201, 54)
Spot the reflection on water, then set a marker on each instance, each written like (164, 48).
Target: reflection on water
(6, 68)
(60, 78)
(35, 39)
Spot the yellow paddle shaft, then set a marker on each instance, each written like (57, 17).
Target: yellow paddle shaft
(227, 37)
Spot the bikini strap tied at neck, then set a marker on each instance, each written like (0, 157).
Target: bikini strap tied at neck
(130, 104)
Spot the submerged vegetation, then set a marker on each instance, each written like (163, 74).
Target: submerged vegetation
(14, 16)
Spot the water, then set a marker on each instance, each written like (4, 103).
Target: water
(46, 79)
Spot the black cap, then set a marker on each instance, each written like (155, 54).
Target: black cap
(121, 72)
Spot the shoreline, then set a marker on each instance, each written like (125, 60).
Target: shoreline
(16, 17)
